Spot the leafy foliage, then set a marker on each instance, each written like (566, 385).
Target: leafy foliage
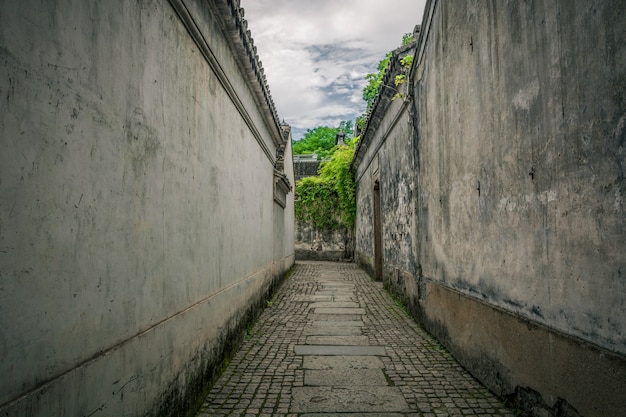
(370, 91)
(407, 38)
(328, 201)
(321, 140)
(406, 63)
(337, 171)
(361, 121)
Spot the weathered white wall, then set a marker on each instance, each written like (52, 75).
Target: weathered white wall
(518, 142)
(522, 110)
(284, 223)
(136, 206)
(385, 155)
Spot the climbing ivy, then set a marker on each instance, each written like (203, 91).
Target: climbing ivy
(328, 200)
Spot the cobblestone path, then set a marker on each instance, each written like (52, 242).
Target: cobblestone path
(333, 343)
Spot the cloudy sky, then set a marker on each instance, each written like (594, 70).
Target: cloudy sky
(316, 53)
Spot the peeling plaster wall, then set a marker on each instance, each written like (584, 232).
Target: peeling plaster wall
(137, 222)
(392, 167)
(364, 227)
(515, 259)
(521, 159)
(385, 156)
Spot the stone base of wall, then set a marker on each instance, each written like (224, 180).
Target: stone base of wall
(187, 395)
(365, 263)
(209, 341)
(312, 244)
(324, 255)
(534, 367)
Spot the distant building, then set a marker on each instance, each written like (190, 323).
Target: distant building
(305, 165)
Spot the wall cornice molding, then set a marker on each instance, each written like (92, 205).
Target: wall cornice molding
(223, 9)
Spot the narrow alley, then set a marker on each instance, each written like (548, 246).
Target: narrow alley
(333, 342)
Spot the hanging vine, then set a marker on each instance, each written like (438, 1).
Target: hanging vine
(328, 201)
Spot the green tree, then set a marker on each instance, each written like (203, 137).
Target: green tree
(321, 140)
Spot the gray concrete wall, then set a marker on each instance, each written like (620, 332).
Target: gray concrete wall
(519, 161)
(136, 204)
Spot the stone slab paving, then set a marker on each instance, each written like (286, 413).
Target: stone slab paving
(347, 399)
(341, 362)
(332, 343)
(341, 377)
(339, 310)
(334, 317)
(337, 340)
(339, 350)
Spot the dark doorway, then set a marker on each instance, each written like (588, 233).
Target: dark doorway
(378, 234)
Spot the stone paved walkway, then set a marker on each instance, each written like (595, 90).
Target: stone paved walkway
(333, 343)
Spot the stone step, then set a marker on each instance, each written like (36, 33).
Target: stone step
(351, 414)
(329, 350)
(342, 377)
(339, 310)
(334, 317)
(335, 304)
(342, 362)
(347, 399)
(331, 328)
(338, 340)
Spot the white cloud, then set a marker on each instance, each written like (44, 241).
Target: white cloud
(317, 53)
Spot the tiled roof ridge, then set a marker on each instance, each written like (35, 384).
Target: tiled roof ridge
(383, 98)
(237, 28)
(390, 74)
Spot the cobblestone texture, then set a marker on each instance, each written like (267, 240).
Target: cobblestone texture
(261, 376)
